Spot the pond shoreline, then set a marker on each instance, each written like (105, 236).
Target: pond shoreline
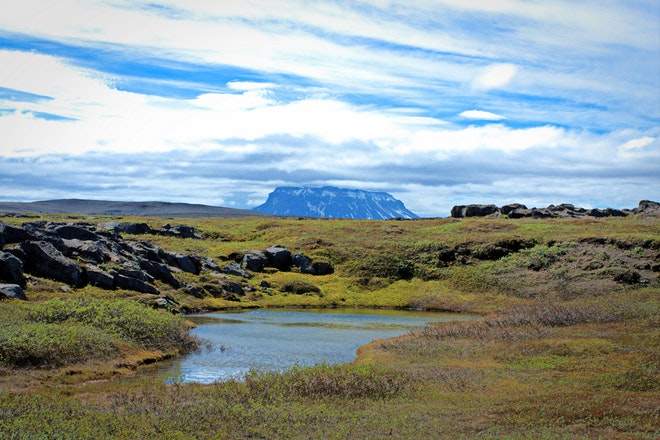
(280, 338)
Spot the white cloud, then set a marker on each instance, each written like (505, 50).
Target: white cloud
(250, 85)
(492, 137)
(636, 144)
(481, 115)
(494, 77)
(639, 148)
(335, 87)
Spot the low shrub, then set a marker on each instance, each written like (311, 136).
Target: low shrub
(51, 345)
(61, 332)
(644, 375)
(323, 381)
(530, 318)
(129, 320)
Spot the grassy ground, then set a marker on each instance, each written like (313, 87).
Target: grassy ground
(568, 347)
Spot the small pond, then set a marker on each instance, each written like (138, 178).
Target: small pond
(280, 339)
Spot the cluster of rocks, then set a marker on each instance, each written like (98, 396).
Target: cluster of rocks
(564, 210)
(78, 254)
(279, 257)
(180, 231)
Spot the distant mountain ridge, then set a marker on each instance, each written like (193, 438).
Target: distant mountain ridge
(332, 202)
(105, 207)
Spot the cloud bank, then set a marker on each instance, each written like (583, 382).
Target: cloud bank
(436, 102)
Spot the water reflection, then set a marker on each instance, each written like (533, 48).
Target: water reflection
(280, 339)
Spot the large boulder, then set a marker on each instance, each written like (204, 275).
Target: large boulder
(648, 208)
(462, 211)
(128, 228)
(180, 231)
(233, 268)
(73, 232)
(278, 257)
(11, 269)
(43, 259)
(10, 234)
(507, 209)
(255, 261)
(303, 263)
(93, 251)
(13, 291)
(186, 263)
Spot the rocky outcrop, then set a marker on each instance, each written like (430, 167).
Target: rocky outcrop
(78, 254)
(473, 210)
(132, 228)
(279, 257)
(45, 260)
(564, 210)
(648, 208)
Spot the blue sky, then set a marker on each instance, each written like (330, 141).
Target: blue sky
(438, 102)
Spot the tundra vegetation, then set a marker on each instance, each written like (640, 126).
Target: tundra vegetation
(568, 346)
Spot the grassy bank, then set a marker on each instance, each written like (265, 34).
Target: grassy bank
(568, 347)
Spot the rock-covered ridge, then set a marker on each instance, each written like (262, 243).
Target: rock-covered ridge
(334, 202)
(81, 254)
(78, 254)
(564, 210)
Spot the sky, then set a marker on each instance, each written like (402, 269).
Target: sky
(437, 102)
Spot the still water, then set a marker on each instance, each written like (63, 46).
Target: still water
(280, 339)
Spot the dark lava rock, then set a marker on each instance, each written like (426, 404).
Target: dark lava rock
(11, 269)
(129, 228)
(462, 211)
(303, 263)
(233, 268)
(10, 234)
(278, 257)
(255, 261)
(181, 231)
(99, 278)
(322, 268)
(129, 283)
(13, 291)
(73, 232)
(47, 261)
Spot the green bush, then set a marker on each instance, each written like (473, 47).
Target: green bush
(129, 320)
(51, 345)
(63, 332)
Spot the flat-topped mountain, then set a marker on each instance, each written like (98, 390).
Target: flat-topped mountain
(334, 202)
